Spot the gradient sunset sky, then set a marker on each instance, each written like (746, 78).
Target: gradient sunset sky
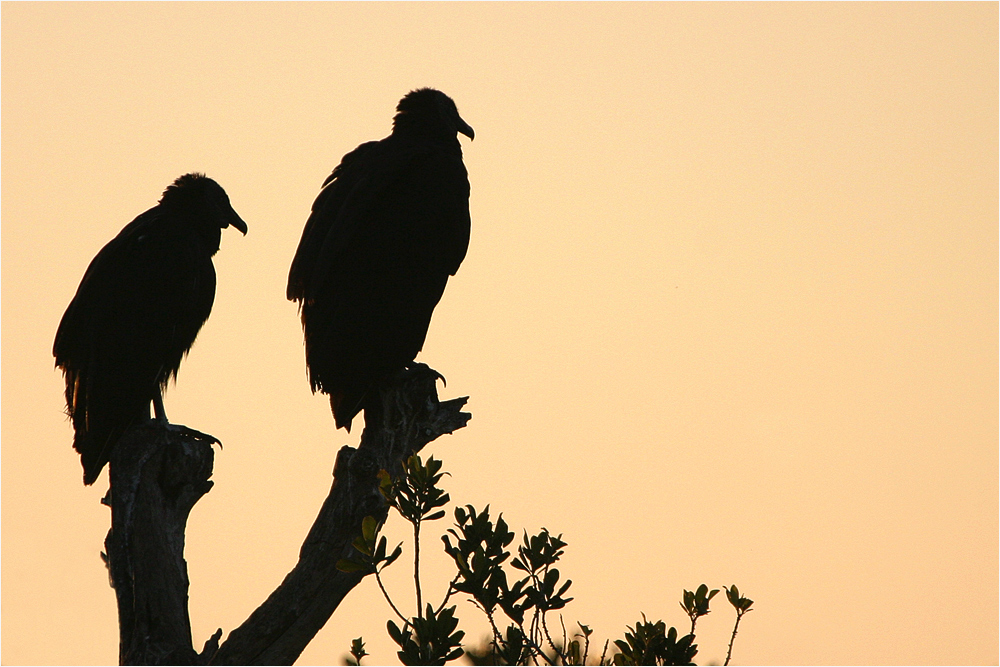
(729, 312)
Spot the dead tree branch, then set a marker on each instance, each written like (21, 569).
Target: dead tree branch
(160, 474)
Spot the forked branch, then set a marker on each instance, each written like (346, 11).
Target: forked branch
(162, 471)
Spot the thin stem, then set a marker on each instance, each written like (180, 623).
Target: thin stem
(729, 654)
(529, 638)
(388, 599)
(545, 629)
(565, 637)
(489, 616)
(447, 595)
(545, 626)
(497, 637)
(535, 634)
(416, 566)
(604, 653)
(537, 650)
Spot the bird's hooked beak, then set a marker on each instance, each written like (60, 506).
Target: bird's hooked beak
(465, 129)
(237, 222)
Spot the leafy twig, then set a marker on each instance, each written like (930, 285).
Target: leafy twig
(742, 606)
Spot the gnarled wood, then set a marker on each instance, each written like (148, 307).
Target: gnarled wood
(158, 473)
(410, 417)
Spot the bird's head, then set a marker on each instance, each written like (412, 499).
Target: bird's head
(430, 111)
(203, 199)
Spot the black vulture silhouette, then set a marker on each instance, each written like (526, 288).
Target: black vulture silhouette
(137, 312)
(389, 226)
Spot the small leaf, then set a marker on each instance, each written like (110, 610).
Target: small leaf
(345, 565)
(394, 632)
(394, 555)
(362, 546)
(368, 526)
(385, 484)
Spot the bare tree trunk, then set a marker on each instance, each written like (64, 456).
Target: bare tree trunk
(157, 475)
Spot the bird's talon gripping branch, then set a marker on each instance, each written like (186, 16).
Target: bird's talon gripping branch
(192, 433)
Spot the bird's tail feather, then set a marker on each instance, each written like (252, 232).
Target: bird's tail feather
(345, 405)
(99, 424)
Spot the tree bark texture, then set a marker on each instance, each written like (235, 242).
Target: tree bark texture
(159, 472)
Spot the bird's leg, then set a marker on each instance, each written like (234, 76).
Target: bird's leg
(161, 414)
(161, 417)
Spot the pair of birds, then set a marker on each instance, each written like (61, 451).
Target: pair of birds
(388, 228)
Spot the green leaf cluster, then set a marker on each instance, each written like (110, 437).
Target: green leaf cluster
(415, 494)
(512, 649)
(696, 604)
(479, 551)
(536, 556)
(480, 548)
(428, 639)
(371, 554)
(652, 644)
(741, 604)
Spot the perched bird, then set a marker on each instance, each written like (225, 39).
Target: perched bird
(137, 312)
(389, 226)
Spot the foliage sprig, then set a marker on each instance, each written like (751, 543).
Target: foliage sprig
(480, 548)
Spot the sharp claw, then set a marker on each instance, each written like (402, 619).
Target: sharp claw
(192, 433)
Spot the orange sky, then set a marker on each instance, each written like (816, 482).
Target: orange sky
(729, 313)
